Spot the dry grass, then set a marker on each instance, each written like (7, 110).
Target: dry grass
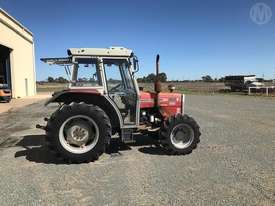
(182, 87)
(186, 87)
(50, 87)
(189, 87)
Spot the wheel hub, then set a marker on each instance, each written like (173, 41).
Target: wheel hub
(182, 136)
(78, 133)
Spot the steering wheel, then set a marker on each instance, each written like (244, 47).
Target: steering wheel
(115, 88)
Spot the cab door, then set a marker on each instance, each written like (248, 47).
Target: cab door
(121, 88)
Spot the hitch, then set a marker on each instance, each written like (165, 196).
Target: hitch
(38, 126)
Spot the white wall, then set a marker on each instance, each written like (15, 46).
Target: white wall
(20, 40)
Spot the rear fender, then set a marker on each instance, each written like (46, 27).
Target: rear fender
(98, 99)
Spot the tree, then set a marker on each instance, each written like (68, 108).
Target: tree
(207, 78)
(61, 80)
(140, 79)
(50, 79)
(151, 78)
(162, 77)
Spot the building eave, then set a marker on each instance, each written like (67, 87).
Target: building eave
(15, 21)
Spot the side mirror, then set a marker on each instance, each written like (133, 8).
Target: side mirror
(136, 65)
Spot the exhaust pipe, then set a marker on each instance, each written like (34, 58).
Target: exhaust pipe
(157, 81)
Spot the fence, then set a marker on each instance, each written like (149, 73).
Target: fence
(265, 90)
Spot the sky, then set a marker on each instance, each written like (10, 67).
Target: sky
(193, 37)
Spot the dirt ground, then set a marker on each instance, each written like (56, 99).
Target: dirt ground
(234, 163)
(22, 102)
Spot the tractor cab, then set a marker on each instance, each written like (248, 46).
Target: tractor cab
(104, 72)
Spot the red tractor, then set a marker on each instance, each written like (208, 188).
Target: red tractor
(104, 101)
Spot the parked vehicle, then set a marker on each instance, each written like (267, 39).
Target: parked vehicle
(5, 93)
(242, 82)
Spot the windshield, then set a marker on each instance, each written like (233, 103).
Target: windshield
(85, 73)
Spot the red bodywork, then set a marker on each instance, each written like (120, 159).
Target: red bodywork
(169, 103)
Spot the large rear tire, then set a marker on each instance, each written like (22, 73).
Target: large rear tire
(180, 134)
(78, 132)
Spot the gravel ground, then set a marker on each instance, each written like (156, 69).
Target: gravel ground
(233, 165)
(22, 102)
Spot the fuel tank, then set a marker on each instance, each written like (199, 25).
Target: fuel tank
(169, 103)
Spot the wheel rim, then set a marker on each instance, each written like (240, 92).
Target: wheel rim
(182, 136)
(79, 134)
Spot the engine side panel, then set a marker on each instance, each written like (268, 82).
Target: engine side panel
(169, 103)
(146, 100)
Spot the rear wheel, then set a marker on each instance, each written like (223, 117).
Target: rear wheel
(180, 134)
(78, 132)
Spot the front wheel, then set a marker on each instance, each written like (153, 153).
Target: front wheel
(78, 132)
(180, 134)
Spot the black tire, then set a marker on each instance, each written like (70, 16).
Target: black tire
(67, 111)
(174, 122)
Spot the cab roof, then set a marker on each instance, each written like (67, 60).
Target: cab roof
(91, 52)
(98, 52)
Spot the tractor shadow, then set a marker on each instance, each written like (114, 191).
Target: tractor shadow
(149, 145)
(145, 144)
(34, 149)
